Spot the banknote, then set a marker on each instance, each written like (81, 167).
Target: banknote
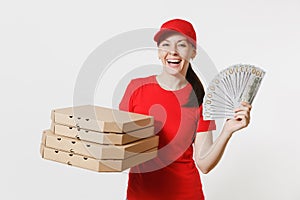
(229, 87)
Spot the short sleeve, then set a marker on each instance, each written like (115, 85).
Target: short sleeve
(205, 125)
(126, 103)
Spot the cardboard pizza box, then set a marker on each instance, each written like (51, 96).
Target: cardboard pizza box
(94, 164)
(101, 119)
(102, 138)
(98, 151)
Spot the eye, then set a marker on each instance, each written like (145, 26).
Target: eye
(182, 45)
(165, 45)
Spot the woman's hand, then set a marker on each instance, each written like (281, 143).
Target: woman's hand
(241, 118)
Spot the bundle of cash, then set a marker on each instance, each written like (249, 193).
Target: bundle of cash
(228, 88)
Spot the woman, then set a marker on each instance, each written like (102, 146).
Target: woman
(174, 98)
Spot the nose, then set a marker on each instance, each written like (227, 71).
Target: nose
(173, 51)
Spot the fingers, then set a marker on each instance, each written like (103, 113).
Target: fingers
(243, 120)
(246, 114)
(246, 104)
(242, 113)
(243, 107)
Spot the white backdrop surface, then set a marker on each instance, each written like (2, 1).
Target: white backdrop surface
(43, 45)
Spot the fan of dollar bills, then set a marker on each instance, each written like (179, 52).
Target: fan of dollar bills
(228, 88)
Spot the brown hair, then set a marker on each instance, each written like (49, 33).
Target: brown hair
(196, 96)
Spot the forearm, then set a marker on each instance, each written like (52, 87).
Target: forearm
(209, 153)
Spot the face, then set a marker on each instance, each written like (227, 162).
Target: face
(175, 52)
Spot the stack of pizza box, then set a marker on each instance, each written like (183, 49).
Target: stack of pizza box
(99, 138)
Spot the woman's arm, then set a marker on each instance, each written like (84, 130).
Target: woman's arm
(209, 153)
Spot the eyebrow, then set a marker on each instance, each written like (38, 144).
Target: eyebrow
(177, 41)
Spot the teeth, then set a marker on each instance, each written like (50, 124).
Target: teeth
(173, 61)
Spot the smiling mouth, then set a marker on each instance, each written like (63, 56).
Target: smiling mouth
(173, 61)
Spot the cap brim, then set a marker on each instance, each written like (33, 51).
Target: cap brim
(163, 31)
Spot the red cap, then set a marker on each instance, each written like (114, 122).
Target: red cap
(180, 26)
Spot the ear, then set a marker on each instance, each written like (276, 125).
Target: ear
(194, 53)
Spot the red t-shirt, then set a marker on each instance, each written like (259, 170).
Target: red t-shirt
(172, 175)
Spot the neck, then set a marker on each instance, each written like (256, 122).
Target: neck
(171, 82)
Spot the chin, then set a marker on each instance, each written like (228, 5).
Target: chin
(173, 71)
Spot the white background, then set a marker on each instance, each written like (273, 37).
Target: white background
(43, 45)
